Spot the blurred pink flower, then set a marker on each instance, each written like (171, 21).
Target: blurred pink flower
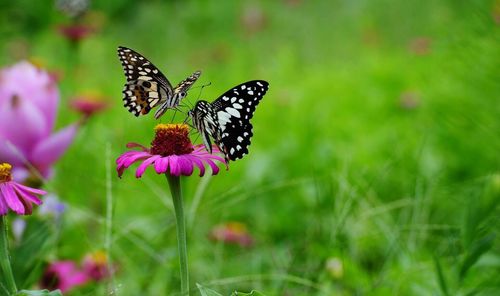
(409, 100)
(96, 267)
(17, 197)
(63, 275)
(232, 233)
(75, 32)
(253, 18)
(420, 46)
(171, 152)
(28, 103)
(88, 105)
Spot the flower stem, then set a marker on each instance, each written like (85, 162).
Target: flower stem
(175, 189)
(4, 258)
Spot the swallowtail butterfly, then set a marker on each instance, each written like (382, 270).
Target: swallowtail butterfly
(227, 119)
(147, 87)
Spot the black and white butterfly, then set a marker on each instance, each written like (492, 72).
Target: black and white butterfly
(227, 119)
(147, 87)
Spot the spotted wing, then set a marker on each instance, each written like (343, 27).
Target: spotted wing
(234, 110)
(205, 121)
(146, 86)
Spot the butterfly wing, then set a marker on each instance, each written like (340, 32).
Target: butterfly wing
(205, 121)
(234, 110)
(146, 86)
(180, 91)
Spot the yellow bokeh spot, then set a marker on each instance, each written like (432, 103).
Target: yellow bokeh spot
(5, 174)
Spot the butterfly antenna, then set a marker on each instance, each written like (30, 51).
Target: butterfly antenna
(202, 87)
(173, 117)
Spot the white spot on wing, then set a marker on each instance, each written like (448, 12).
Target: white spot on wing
(233, 112)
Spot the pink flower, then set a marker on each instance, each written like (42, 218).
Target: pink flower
(63, 275)
(75, 32)
(17, 197)
(232, 233)
(96, 267)
(28, 103)
(171, 152)
(88, 105)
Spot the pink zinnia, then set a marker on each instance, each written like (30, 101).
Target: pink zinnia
(75, 32)
(88, 105)
(63, 275)
(96, 266)
(29, 98)
(232, 233)
(17, 197)
(171, 152)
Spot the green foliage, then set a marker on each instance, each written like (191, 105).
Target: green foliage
(39, 293)
(206, 291)
(376, 147)
(36, 243)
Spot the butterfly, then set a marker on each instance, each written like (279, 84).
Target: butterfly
(227, 119)
(147, 87)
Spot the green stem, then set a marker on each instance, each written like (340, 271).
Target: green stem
(175, 188)
(4, 258)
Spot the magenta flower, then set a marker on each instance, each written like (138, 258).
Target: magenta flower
(28, 103)
(75, 32)
(17, 197)
(96, 266)
(88, 105)
(63, 275)
(171, 152)
(232, 233)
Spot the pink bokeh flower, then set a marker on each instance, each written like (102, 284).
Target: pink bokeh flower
(75, 32)
(88, 105)
(232, 233)
(96, 266)
(63, 275)
(171, 152)
(14, 196)
(29, 98)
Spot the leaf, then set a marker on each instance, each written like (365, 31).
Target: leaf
(477, 249)
(206, 291)
(39, 293)
(441, 278)
(252, 293)
(36, 243)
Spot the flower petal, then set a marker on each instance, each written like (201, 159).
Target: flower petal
(128, 158)
(174, 165)
(142, 167)
(161, 165)
(199, 163)
(50, 149)
(186, 166)
(3, 204)
(11, 198)
(27, 193)
(136, 145)
(211, 163)
(31, 190)
(23, 124)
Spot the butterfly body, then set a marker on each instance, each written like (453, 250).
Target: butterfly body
(147, 87)
(227, 119)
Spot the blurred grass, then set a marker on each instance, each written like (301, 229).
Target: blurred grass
(338, 167)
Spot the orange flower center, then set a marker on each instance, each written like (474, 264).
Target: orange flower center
(5, 175)
(171, 139)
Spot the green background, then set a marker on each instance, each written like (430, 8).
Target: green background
(377, 144)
